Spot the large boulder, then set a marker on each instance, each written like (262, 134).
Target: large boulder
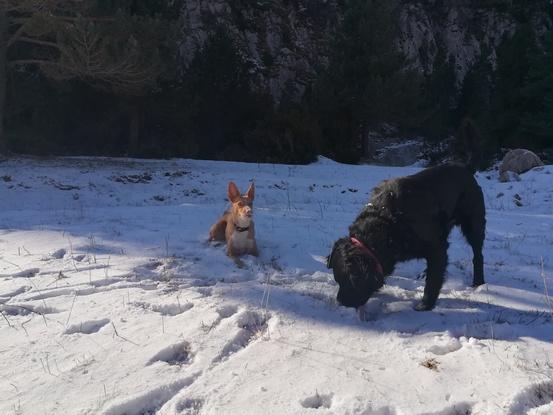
(517, 161)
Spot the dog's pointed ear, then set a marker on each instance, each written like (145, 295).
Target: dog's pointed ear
(233, 192)
(250, 194)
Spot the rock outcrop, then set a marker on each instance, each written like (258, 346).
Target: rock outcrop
(517, 161)
(283, 41)
(286, 41)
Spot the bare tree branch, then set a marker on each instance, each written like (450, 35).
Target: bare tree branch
(78, 46)
(37, 42)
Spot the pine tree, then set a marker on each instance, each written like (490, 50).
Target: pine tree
(367, 81)
(507, 100)
(102, 45)
(440, 94)
(476, 92)
(474, 143)
(221, 104)
(537, 121)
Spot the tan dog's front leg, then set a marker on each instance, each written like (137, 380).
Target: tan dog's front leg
(239, 263)
(217, 230)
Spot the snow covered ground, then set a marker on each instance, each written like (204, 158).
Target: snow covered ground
(113, 303)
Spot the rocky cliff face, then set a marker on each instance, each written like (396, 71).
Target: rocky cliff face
(463, 28)
(285, 41)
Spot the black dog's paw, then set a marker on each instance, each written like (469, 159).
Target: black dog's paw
(422, 306)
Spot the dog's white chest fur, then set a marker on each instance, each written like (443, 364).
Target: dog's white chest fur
(240, 241)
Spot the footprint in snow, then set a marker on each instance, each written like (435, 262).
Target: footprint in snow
(199, 282)
(26, 309)
(444, 345)
(190, 406)
(149, 401)
(223, 312)
(176, 354)
(58, 254)
(251, 325)
(19, 290)
(317, 401)
(26, 273)
(460, 408)
(205, 291)
(169, 309)
(386, 410)
(79, 257)
(532, 397)
(87, 327)
(226, 311)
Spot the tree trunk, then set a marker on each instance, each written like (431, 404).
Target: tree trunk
(134, 128)
(3, 77)
(364, 131)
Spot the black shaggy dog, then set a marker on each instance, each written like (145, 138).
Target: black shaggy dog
(410, 217)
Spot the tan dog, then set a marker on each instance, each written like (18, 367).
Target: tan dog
(236, 225)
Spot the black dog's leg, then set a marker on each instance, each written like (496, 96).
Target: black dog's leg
(474, 232)
(473, 226)
(436, 264)
(478, 267)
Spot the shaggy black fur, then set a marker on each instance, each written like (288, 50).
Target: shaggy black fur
(411, 217)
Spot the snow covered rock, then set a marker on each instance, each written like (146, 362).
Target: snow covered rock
(517, 161)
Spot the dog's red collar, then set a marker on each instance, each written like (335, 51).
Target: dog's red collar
(356, 242)
(241, 229)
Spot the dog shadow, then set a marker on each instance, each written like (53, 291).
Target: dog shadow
(312, 297)
(461, 317)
